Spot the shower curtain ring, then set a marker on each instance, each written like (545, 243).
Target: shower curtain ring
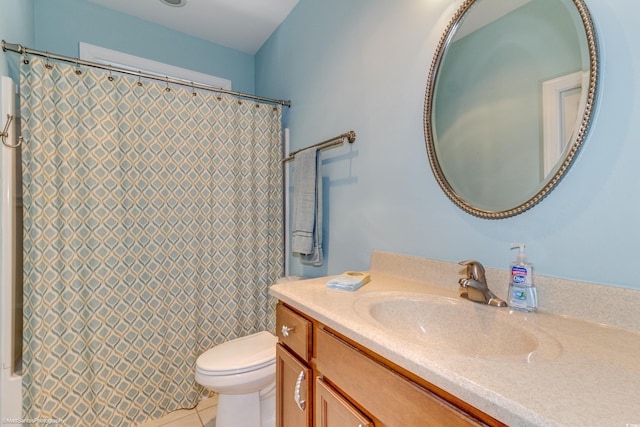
(47, 64)
(25, 58)
(193, 90)
(167, 89)
(78, 71)
(139, 78)
(110, 74)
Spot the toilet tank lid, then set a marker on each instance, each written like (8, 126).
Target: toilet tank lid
(240, 354)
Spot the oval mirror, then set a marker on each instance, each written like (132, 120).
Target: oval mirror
(509, 100)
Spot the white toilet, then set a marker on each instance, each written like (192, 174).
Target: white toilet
(243, 373)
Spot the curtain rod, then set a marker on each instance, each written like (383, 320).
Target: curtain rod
(329, 143)
(12, 47)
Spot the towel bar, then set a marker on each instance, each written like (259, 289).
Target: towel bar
(329, 143)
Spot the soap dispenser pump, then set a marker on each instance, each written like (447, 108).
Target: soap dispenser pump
(523, 295)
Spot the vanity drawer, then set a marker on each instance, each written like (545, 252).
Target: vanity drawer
(389, 397)
(294, 331)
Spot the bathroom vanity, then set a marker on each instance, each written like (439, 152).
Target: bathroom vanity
(407, 352)
(349, 385)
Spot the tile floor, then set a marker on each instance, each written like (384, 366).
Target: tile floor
(203, 415)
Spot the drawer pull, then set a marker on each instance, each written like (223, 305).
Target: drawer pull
(296, 394)
(286, 330)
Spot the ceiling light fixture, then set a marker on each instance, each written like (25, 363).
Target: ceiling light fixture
(174, 3)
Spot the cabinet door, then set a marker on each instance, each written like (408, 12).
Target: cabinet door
(293, 387)
(333, 410)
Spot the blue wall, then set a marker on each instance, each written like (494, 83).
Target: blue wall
(16, 26)
(363, 65)
(61, 24)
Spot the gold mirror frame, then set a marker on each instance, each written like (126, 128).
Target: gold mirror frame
(575, 145)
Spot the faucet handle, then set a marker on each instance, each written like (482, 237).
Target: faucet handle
(475, 270)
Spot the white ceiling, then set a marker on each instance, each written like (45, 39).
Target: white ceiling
(243, 25)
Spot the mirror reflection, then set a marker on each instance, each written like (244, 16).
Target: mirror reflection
(507, 100)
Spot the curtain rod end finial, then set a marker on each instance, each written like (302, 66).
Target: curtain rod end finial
(351, 137)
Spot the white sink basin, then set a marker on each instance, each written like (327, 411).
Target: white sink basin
(458, 325)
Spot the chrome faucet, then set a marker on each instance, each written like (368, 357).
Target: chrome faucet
(475, 285)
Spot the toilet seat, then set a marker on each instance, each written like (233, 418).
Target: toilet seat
(240, 355)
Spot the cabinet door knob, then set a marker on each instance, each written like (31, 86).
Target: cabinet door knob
(296, 394)
(286, 330)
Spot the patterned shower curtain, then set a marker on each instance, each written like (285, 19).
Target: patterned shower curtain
(153, 228)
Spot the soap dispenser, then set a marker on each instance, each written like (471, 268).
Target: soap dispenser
(522, 292)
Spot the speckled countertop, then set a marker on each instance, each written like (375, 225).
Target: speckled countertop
(581, 373)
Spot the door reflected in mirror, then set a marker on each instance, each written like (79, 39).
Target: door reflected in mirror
(509, 100)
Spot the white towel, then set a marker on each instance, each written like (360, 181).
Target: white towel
(307, 207)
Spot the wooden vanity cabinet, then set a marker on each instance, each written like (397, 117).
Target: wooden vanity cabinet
(350, 386)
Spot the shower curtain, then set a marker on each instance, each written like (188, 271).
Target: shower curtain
(152, 230)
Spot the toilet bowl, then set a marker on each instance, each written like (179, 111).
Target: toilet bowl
(243, 373)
